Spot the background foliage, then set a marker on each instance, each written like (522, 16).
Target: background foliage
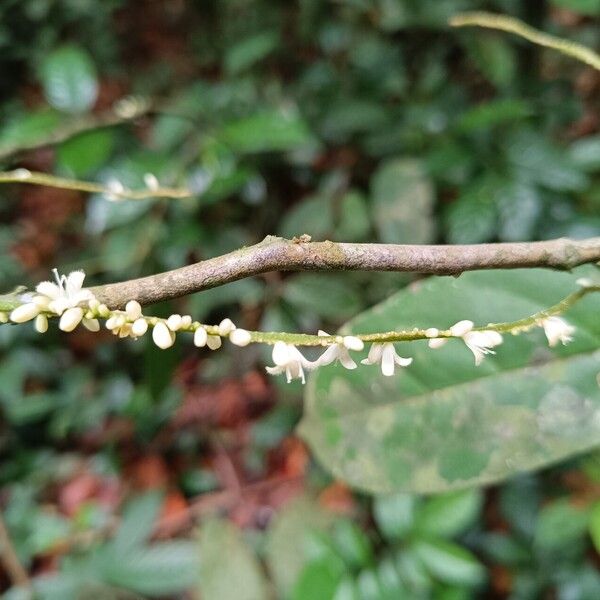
(132, 472)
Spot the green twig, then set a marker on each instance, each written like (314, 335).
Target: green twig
(512, 25)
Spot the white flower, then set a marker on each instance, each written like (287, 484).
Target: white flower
(557, 330)
(289, 360)
(133, 310)
(481, 343)
(163, 337)
(240, 337)
(339, 351)
(90, 323)
(213, 342)
(174, 322)
(386, 354)
(139, 327)
(66, 292)
(226, 326)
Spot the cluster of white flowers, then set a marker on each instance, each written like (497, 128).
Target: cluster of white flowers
(68, 299)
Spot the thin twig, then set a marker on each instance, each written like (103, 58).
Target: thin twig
(10, 561)
(279, 254)
(116, 192)
(512, 25)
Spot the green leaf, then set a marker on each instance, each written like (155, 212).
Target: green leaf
(353, 224)
(395, 514)
(450, 563)
(85, 153)
(559, 525)
(585, 7)
(595, 525)
(402, 202)
(267, 132)
(229, 569)
(443, 423)
(313, 214)
(450, 514)
(69, 80)
(285, 560)
(585, 153)
(494, 55)
(246, 53)
(28, 128)
(352, 544)
(495, 112)
(137, 523)
(161, 569)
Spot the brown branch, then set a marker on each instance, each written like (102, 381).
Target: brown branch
(9, 559)
(278, 254)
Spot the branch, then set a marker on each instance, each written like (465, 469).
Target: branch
(278, 254)
(512, 25)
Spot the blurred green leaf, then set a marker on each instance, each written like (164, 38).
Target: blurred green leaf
(353, 224)
(314, 216)
(68, 77)
(138, 522)
(585, 152)
(494, 56)
(559, 525)
(443, 423)
(247, 52)
(402, 202)
(450, 563)
(267, 132)
(319, 580)
(450, 514)
(595, 525)
(83, 154)
(395, 514)
(352, 544)
(28, 128)
(586, 7)
(228, 568)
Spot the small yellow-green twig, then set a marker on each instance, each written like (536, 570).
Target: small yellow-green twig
(116, 192)
(512, 25)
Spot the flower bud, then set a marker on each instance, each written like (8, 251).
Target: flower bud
(213, 342)
(174, 322)
(432, 332)
(25, 312)
(186, 321)
(240, 337)
(41, 323)
(353, 343)
(200, 337)
(461, 328)
(226, 326)
(163, 337)
(133, 310)
(91, 324)
(70, 318)
(139, 327)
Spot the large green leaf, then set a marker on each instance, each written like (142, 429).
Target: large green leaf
(443, 423)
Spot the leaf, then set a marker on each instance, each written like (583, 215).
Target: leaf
(585, 7)
(312, 215)
(395, 514)
(585, 152)
(137, 523)
(595, 525)
(28, 128)
(247, 52)
(267, 132)
(495, 57)
(560, 525)
(69, 80)
(85, 153)
(229, 569)
(161, 569)
(402, 202)
(318, 581)
(444, 424)
(450, 514)
(285, 560)
(352, 544)
(519, 208)
(450, 563)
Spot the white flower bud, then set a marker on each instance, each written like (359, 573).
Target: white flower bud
(41, 301)
(163, 337)
(25, 312)
(200, 337)
(133, 310)
(353, 343)
(91, 324)
(186, 321)
(436, 343)
(151, 181)
(432, 332)
(174, 322)
(226, 326)
(115, 321)
(213, 342)
(461, 328)
(240, 337)
(139, 327)
(41, 323)
(70, 318)
(103, 310)
(3, 317)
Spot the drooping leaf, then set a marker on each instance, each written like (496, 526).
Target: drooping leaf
(443, 423)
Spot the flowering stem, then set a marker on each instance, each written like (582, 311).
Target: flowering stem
(512, 25)
(36, 178)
